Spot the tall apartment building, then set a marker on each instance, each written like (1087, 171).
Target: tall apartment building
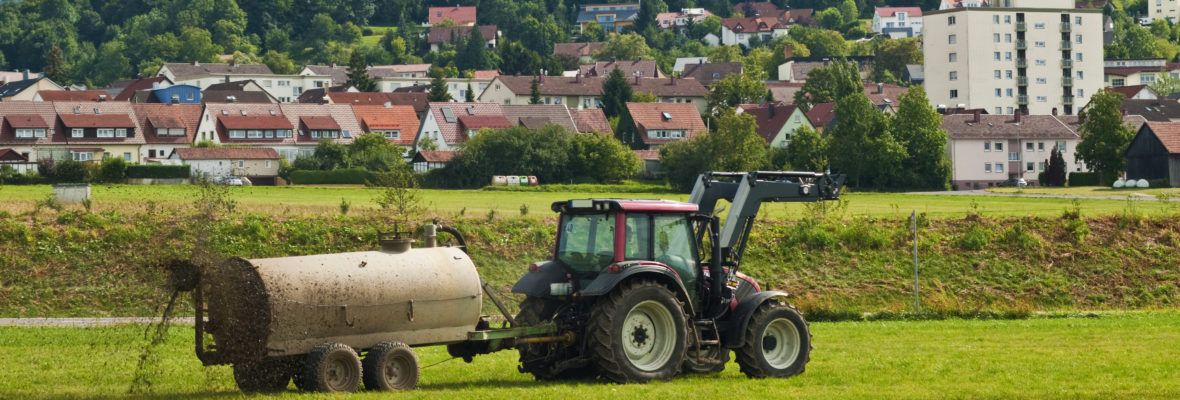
(1163, 9)
(1040, 56)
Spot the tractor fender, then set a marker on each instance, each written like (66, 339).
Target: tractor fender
(536, 281)
(607, 281)
(735, 336)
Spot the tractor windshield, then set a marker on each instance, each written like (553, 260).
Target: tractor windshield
(587, 241)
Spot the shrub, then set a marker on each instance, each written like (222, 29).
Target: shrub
(1083, 179)
(113, 170)
(349, 176)
(976, 238)
(69, 171)
(157, 171)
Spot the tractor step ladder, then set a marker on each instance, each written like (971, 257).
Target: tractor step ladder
(708, 332)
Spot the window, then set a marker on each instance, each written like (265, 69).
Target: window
(950, 21)
(1144, 79)
(999, 110)
(1041, 81)
(997, 74)
(1079, 75)
(1010, 111)
(954, 75)
(1029, 166)
(954, 94)
(1042, 99)
(1118, 82)
(254, 134)
(1078, 57)
(1039, 62)
(998, 92)
(996, 56)
(953, 57)
(1040, 146)
(1008, 56)
(1061, 146)
(999, 167)
(1008, 74)
(1008, 92)
(1007, 19)
(1077, 39)
(1028, 146)
(673, 242)
(127, 157)
(987, 146)
(1039, 44)
(121, 132)
(1038, 26)
(27, 133)
(996, 19)
(237, 134)
(987, 167)
(76, 132)
(1041, 166)
(1013, 156)
(951, 39)
(638, 237)
(1081, 93)
(83, 156)
(996, 37)
(1000, 145)
(268, 163)
(105, 132)
(1077, 21)
(392, 134)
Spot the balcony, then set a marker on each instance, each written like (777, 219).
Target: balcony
(1066, 63)
(1021, 63)
(1066, 45)
(1022, 81)
(1066, 27)
(1021, 45)
(1022, 99)
(1067, 100)
(1066, 81)
(1021, 26)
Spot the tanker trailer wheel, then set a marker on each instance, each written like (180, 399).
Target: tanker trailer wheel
(331, 367)
(390, 366)
(778, 343)
(266, 376)
(637, 333)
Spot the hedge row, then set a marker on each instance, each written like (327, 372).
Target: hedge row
(158, 171)
(1083, 179)
(343, 176)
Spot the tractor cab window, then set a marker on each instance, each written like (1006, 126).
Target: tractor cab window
(638, 238)
(587, 241)
(673, 242)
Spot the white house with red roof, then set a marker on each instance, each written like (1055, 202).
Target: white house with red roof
(461, 16)
(898, 22)
(449, 124)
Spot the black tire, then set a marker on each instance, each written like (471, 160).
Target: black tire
(331, 367)
(267, 376)
(390, 366)
(638, 333)
(533, 356)
(778, 342)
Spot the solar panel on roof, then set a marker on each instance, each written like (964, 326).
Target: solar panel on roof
(448, 115)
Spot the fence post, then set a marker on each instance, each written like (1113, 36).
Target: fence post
(914, 230)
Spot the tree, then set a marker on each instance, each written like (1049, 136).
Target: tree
(1165, 84)
(544, 152)
(197, 44)
(438, 86)
(848, 11)
(860, 144)
(735, 146)
(1104, 135)
(474, 54)
(828, 84)
(470, 96)
(535, 92)
(734, 89)
(113, 170)
(516, 59)
(53, 66)
(372, 151)
(723, 54)
(358, 73)
(603, 158)
(820, 42)
(112, 66)
(807, 150)
(829, 19)
(892, 55)
(628, 46)
(592, 32)
(917, 127)
(616, 92)
(279, 63)
(1055, 171)
(329, 155)
(682, 161)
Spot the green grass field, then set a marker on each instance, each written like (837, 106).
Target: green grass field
(378, 33)
(1132, 355)
(327, 199)
(1090, 191)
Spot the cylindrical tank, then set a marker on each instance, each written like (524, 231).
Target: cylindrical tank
(286, 306)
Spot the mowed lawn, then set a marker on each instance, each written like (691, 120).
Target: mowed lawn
(477, 203)
(1132, 356)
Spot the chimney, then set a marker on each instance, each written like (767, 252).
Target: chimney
(387, 104)
(975, 116)
(788, 52)
(772, 110)
(230, 99)
(578, 78)
(25, 74)
(880, 88)
(227, 79)
(1054, 111)
(672, 81)
(636, 81)
(1018, 112)
(332, 65)
(232, 63)
(102, 97)
(196, 63)
(324, 100)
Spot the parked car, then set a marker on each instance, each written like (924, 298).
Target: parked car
(1015, 182)
(230, 181)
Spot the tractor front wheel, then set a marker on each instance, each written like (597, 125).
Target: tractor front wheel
(638, 333)
(778, 343)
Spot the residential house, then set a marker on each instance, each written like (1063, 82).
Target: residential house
(166, 127)
(124, 90)
(339, 73)
(416, 101)
(173, 94)
(426, 160)
(611, 17)
(776, 123)
(949, 4)
(71, 95)
(320, 95)
(29, 128)
(591, 120)
(795, 69)
(739, 31)
(449, 124)
(682, 62)
(1163, 9)
(883, 95)
(1136, 92)
(398, 123)
(537, 116)
(898, 22)
(442, 35)
(986, 150)
(1138, 72)
(96, 130)
(1154, 153)
(584, 52)
(26, 89)
(13, 76)
(584, 92)
(17, 161)
(461, 16)
(649, 166)
(316, 122)
(709, 73)
(400, 71)
(821, 115)
(641, 68)
(757, 9)
(683, 18)
(1031, 55)
(1153, 110)
(258, 164)
(914, 74)
(249, 125)
(284, 88)
(660, 123)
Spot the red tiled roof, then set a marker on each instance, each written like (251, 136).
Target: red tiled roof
(341, 113)
(488, 74)
(592, 86)
(319, 123)
(769, 126)
(26, 121)
(72, 95)
(822, 114)
(416, 100)
(651, 116)
(164, 121)
(1168, 133)
(643, 68)
(474, 122)
(995, 126)
(891, 11)
(1125, 71)
(435, 156)
(155, 115)
(450, 132)
(10, 155)
(647, 154)
(254, 122)
(44, 110)
(227, 153)
(577, 49)
(1129, 91)
(139, 84)
(401, 118)
(459, 15)
(96, 121)
(591, 120)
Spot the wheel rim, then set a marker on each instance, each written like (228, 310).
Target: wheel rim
(396, 371)
(338, 374)
(646, 335)
(780, 343)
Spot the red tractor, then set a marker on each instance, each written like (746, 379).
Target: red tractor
(645, 289)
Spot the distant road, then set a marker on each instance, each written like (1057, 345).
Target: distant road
(981, 192)
(85, 322)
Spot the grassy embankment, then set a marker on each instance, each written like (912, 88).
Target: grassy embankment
(854, 259)
(1115, 356)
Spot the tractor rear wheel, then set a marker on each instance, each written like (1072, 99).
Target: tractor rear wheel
(266, 376)
(638, 333)
(331, 367)
(390, 366)
(538, 358)
(778, 342)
